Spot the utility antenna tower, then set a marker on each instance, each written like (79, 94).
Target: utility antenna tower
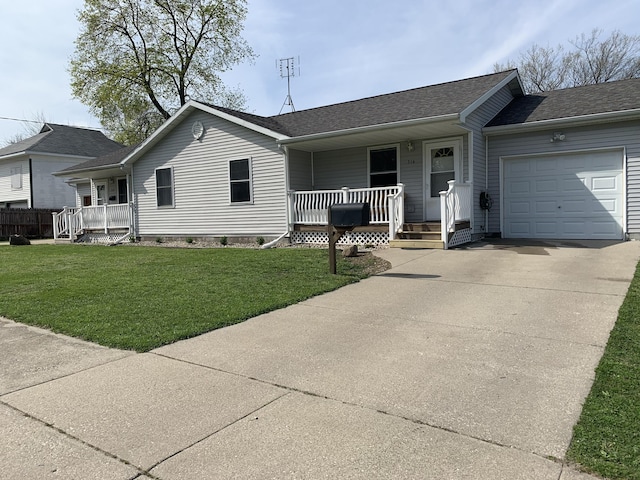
(288, 69)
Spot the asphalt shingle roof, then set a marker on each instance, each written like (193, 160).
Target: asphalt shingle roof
(571, 102)
(425, 102)
(113, 158)
(64, 140)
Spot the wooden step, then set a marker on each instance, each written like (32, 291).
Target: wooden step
(422, 227)
(406, 243)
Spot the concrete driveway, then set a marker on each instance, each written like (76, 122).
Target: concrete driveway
(462, 364)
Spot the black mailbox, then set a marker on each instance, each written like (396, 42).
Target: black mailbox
(349, 214)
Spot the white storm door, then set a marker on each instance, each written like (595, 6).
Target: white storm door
(101, 193)
(442, 164)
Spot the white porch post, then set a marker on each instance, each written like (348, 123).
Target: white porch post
(444, 221)
(69, 216)
(291, 217)
(345, 194)
(106, 224)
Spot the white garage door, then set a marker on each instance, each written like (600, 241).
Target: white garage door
(569, 196)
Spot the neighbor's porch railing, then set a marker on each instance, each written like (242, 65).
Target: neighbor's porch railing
(386, 205)
(70, 222)
(455, 206)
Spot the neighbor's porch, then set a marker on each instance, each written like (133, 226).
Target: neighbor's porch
(94, 224)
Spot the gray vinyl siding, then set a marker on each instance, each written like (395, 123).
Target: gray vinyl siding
(202, 205)
(613, 135)
(300, 170)
(475, 121)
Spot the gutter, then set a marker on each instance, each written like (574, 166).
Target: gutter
(368, 129)
(575, 121)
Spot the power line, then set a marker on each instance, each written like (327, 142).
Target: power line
(23, 120)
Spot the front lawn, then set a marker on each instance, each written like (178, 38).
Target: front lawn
(606, 439)
(139, 298)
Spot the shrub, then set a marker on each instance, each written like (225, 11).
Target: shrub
(260, 241)
(224, 241)
(158, 239)
(189, 240)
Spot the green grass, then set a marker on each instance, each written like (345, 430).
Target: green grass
(606, 439)
(139, 298)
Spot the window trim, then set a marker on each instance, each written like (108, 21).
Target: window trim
(155, 176)
(383, 147)
(249, 161)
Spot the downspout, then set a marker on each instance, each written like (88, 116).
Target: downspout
(285, 151)
(486, 182)
(30, 183)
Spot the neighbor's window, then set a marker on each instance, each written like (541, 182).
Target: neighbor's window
(383, 167)
(16, 178)
(164, 187)
(240, 180)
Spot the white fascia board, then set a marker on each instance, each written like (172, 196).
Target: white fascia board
(490, 93)
(369, 128)
(243, 123)
(576, 121)
(13, 155)
(66, 173)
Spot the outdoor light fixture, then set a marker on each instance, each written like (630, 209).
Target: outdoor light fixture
(557, 137)
(410, 146)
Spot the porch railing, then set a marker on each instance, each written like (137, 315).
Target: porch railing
(455, 206)
(310, 207)
(71, 221)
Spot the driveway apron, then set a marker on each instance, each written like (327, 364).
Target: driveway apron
(467, 363)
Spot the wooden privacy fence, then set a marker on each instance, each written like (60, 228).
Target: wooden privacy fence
(29, 222)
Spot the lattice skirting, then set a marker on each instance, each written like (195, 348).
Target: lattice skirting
(460, 237)
(348, 238)
(102, 238)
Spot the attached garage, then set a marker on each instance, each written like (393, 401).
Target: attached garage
(577, 195)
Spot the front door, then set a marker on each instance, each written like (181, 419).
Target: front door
(442, 161)
(101, 193)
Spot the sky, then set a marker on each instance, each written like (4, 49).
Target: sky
(347, 49)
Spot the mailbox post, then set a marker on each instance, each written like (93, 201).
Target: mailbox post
(343, 217)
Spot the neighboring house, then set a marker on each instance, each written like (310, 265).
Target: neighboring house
(26, 166)
(439, 165)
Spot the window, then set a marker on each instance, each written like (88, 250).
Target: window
(383, 167)
(442, 170)
(164, 187)
(16, 178)
(240, 180)
(122, 191)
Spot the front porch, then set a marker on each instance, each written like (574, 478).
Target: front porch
(387, 226)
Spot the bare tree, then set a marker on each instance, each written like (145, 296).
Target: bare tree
(590, 61)
(29, 129)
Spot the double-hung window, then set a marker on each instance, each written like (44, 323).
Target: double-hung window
(240, 180)
(164, 187)
(383, 166)
(16, 178)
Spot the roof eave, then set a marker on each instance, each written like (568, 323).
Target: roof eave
(369, 128)
(66, 173)
(580, 120)
(185, 110)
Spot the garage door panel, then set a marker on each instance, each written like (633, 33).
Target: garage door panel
(545, 187)
(604, 183)
(564, 196)
(545, 207)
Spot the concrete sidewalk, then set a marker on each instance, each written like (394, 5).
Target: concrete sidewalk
(470, 363)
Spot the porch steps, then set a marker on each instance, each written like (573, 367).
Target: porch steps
(419, 235)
